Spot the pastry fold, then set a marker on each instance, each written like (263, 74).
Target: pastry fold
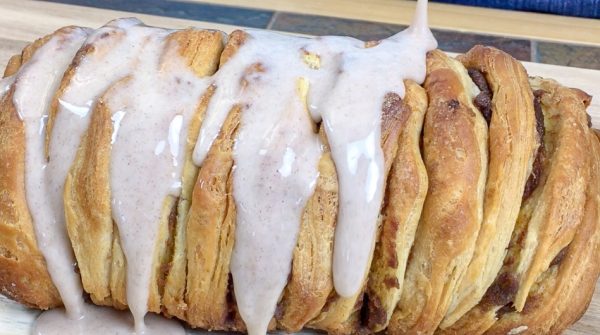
(342, 315)
(512, 146)
(88, 209)
(490, 220)
(407, 185)
(455, 154)
(564, 282)
(547, 225)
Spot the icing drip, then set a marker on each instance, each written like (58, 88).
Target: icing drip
(35, 84)
(114, 49)
(346, 91)
(352, 116)
(153, 107)
(276, 155)
(94, 74)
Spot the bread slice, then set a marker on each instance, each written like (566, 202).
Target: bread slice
(342, 315)
(512, 146)
(405, 194)
(455, 154)
(566, 169)
(562, 293)
(23, 273)
(87, 189)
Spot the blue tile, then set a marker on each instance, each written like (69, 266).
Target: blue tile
(583, 8)
(323, 25)
(367, 31)
(184, 10)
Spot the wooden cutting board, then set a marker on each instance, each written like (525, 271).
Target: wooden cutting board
(24, 21)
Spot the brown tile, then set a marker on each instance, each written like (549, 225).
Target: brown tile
(569, 55)
(461, 42)
(322, 25)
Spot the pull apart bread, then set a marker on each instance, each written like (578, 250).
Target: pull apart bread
(489, 222)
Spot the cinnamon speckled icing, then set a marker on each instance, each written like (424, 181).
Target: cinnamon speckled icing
(276, 153)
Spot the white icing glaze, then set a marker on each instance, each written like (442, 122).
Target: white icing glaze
(116, 47)
(276, 151)
(101, 321)
(35, 85)
(92, 77)
(352, 116)
(518, 330)
(152, 109)
(276, 155)
(5, 84)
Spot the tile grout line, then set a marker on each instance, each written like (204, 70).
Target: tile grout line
(534, 51)
(272, 20)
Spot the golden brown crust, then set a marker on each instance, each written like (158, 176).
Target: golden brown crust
(87, 207)
(455, 155)
(23, 274)
(203, 53)
(210, 234)
(405, 194)
(512, 145)
(210, 226)
(563, 292)
(13, 65)
(310, 279)
(547, 223)
(554, 222)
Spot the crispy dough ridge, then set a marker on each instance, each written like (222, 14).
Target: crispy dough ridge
(562, 293)
(512, 146)
(405, 194)
(342, 315)
(565, 173)
(87, 189)
(455, 155)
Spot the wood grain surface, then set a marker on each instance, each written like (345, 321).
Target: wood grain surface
(24, 21)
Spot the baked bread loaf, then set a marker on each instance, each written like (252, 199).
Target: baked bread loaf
(490, 215)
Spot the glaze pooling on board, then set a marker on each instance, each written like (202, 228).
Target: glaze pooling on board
(286, 86)
(277, 150)
(153, 107)
(35, 84)
(101, 321)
